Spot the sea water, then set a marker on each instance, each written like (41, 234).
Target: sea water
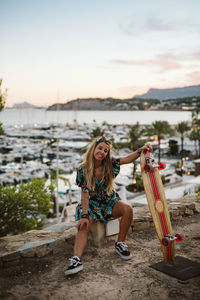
(41, 116)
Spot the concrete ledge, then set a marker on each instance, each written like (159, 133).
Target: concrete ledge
(56, 238)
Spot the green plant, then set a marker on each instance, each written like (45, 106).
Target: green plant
(23, 207)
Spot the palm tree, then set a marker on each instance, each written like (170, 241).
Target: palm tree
(197, 135)
(134, 135)
(160, 128)
(135, 142)
(194, 137)
(97, 132)
(195, 117)
(182, 127)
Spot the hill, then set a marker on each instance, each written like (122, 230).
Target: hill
(101, 104)
(24, 105)
(163, 94)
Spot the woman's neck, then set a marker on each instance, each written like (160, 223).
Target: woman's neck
(97, 164)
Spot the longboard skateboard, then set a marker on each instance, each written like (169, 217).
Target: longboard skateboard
(158, 205)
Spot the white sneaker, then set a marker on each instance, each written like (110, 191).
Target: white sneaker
(121, 249)
(75, 266)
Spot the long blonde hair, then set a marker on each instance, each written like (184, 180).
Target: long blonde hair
(107, 167)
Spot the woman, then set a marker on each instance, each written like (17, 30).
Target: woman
(99, 200)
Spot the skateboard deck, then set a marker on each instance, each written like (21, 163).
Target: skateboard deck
(158, 204)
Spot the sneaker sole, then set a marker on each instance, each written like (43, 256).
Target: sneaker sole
(122, 256)
(73, 271)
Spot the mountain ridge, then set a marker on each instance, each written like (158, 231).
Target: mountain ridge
(171, 93)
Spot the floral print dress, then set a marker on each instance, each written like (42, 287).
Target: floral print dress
(100, 204)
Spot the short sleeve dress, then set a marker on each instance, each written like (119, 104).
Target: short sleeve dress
(100, 204)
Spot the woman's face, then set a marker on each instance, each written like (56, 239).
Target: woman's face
(101, 151)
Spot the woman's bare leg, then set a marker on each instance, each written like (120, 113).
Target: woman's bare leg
(81, 239)
(125, 211)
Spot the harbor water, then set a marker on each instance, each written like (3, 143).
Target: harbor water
(41, 116)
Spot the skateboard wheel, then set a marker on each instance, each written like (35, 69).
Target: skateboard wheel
(162, 166)
(148, 168)
(166, 242)
(179, 237)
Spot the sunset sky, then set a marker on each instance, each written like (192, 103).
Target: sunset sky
(59, 50)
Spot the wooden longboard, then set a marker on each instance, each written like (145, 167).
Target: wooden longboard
(157, 204)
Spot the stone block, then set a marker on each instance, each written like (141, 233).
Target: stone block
(189, 212)
(59, 246)
(97, 234)
(69, 233)
(10, 256)
(182, 210)
(112, 227)
(28, 252)
(197, 207)
(190, 206)
(44, 250)
(175, 213)
(138, 226)
(14, 244)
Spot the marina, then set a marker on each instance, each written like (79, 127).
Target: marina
(35, 150)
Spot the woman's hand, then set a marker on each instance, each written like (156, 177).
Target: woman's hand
(147, 147)
(83, 222)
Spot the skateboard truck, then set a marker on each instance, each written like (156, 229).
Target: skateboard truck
(151, 165)
(166, 241)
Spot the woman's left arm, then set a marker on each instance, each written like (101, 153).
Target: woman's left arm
(134, 155)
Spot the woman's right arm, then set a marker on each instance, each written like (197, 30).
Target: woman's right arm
(85, 202)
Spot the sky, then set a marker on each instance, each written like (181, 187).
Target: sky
(59, 50)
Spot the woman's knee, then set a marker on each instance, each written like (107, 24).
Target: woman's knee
(85, 228)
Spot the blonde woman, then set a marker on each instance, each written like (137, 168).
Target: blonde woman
(99, 200)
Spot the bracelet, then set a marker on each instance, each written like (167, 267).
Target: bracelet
(85, 216)
(139, 151)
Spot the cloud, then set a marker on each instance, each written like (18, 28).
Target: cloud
(133, 25)
(163, 64)
(170, 60)
(193, 77)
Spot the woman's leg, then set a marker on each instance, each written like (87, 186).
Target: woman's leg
(81, 239)
(125, 211)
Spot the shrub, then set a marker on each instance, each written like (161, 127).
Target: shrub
(24, 207)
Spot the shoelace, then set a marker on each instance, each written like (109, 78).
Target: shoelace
(72, 261)
(123, 246)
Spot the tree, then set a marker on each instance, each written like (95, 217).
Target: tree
(181, 128)
(23, 207)
(134, 135)
(160, 128)
(195, 136)
(97, 132)
(2, 103)
(195, 117)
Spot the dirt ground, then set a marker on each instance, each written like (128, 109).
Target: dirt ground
(105, 275)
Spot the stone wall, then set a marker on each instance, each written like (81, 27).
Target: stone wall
(56, 238)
